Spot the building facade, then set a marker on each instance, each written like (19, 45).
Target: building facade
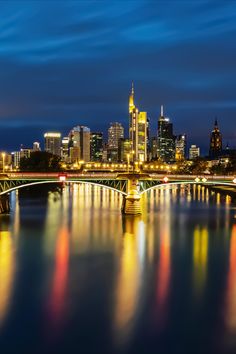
(153, 148)
(96, 145)
(138, 129)
(115, 133)
(194, 152)
(180, 147)
(79, 143)
(52, 143)
(165, 139)
(65, 149)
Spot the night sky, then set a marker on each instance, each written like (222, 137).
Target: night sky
(67, 63)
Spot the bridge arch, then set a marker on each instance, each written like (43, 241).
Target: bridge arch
(24, 185)
(159, 186)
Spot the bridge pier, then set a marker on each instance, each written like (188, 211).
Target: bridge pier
(4, 204)
(131, 202)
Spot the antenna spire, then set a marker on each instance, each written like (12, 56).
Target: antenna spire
(162, 111)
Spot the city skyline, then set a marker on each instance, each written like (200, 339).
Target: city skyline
(154, 133)
(78, 69)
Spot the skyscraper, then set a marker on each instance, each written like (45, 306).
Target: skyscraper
(115, 133)
(153, 148)
(80, 142)
(165, 139)
(137, 130)
(96, 144)
(180, 147)
(52, 142)
(65, 149)
(215, 142)
(194, 152)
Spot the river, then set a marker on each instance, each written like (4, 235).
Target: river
(78, 277)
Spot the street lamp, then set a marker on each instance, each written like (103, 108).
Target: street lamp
(3, 162)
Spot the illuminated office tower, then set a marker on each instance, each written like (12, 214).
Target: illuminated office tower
(142, 137)
(79, 143)
(65, 149)
(180, 147)
(137, 130)
(52, 142)
(115, 133)
(96, 144)
(165, 139)
(194, 152)
(215, 142)
(149, 155)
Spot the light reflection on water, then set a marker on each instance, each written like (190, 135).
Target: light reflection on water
(120, 283)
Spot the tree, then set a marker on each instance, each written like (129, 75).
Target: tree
(40, 161)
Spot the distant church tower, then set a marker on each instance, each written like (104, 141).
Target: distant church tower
(215, 142)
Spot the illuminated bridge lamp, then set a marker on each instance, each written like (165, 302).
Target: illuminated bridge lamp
(234, 180)
(62, 178)
(197, 179)
(204, 180)
(165, 179)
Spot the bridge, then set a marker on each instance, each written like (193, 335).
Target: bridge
(130, 185)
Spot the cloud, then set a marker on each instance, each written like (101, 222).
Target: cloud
(69, 62)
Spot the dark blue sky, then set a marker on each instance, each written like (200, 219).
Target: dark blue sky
(65, 63)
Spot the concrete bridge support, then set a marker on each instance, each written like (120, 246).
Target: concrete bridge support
(131, 202)
(4, 204)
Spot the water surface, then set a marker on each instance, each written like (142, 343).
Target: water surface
(78, 277)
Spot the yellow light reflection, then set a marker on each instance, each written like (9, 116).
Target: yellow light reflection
(200, 256)
(57, 298)
(128, 282)
(163, 271)
(7, 269)
(230, 313)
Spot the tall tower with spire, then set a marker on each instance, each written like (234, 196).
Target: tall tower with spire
(137, 130)
(131, 99)
(165, 139)
(215, 141)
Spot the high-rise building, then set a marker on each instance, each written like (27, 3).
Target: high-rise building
(138, 127)
(115, 133)
(180, 147)
(65, 149)
(215, 142)
(104, 152)
(79, 138)
(96, 144)
(194, 152)
(153, 148)
(36, 146)
(74, 154)
(149, 154)
(15, 159)
(52, 142)
(165, 139)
